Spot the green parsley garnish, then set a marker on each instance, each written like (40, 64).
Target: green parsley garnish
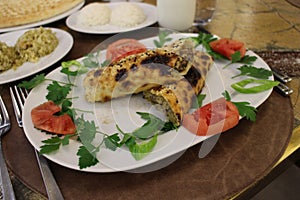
(244, 108)
(35, 81)
(204, 39)
(198, 102)
(149, 131)
(236, 58)
(249, 70)
(163, 38)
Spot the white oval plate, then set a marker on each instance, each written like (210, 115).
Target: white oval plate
(64, 46)
(122, 111)
(150, 11)
(43, 22)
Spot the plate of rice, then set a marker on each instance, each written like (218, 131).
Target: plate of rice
(109, 18)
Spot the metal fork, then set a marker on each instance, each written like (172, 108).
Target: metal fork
(18, 97)
(5, 182)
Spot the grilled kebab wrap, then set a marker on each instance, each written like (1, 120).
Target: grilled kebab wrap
(170, 76)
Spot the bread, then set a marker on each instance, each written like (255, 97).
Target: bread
(20, 12)
(171, 76)
(133, 74)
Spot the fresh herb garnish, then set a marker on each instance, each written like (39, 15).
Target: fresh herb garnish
(205, 39)
(150, 130)
(53, 144)
(153, 126)
(244, 108)
(236, 58)
(35, 81)
(91, 60)
(57, 93)
(198, 102)
(87, 158)
(249, 70)
(163, 38)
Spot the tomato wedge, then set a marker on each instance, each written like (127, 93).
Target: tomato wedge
(122, 48)
(227, 47)
(215, 117)
(43, 118)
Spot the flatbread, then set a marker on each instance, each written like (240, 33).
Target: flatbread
(20, 12)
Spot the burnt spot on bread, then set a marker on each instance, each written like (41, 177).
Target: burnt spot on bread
(121, 74)
(193, 76)
(97, 73)
(162, 59)
(181, 64)
(133, 67)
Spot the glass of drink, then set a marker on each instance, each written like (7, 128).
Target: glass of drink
(204, 12)
(176, 14)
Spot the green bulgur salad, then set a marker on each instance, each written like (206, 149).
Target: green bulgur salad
(30, 47)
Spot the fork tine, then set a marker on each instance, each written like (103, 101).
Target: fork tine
(5, 118)
(22, 94)
(20, 102)
(1, 119)
(17, 110)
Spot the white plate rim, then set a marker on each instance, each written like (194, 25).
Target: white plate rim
(71, 21)
(60, 51)
(99, 168)
(43, 22)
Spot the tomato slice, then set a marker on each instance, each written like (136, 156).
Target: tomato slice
(124, 47)
(43, 118)
(227, 47)
(215, 117)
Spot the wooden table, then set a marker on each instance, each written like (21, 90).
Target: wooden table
(235, 20)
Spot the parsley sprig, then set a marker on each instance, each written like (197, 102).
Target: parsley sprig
(163, 38)
(244, 108)
(204, 39)
(37, 80)
(249, 70)
(236, 58)
(142, 140)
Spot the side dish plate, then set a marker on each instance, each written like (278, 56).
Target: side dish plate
(150, 11)
(64, 46)
(43, 22)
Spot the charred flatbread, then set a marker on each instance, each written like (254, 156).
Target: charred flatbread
(20, 12)
(170, 76)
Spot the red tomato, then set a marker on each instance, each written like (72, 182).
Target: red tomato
(124, 47)
(227, 47)
(43, 118)
(215, 117)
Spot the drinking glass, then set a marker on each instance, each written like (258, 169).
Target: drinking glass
(176, 14)
(204, 12)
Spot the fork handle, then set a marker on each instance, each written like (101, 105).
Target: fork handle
(52, 188)
(7, 189)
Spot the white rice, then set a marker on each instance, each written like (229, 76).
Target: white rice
(94, 14)
(127, 15)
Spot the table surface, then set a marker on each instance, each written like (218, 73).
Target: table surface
(269, 27)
